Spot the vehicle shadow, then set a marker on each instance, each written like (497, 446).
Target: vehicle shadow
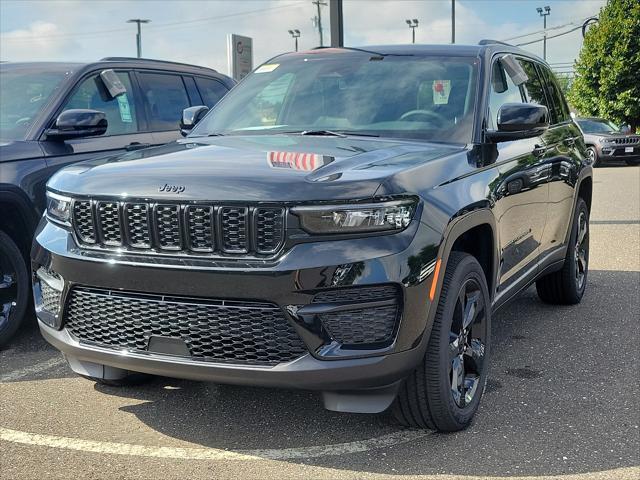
(556, 401)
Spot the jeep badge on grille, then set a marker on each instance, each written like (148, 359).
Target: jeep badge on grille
(172, 188)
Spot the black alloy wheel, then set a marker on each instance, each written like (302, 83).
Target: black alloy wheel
(467, 339)
(14, 288)
(567, 285)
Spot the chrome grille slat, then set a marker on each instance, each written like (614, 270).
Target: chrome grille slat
(171, 228)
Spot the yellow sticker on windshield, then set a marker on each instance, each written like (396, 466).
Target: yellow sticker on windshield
(441, 91)
(270, 67)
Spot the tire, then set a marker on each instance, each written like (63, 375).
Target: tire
(428, 397)
(14, 288)
(128, 381)
(592, 155)
(567, 285)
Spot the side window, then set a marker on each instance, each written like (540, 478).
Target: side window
(560, 107)
(166, 97)
(120, 111)
(210, 90)
(503, 90)
(533, 87)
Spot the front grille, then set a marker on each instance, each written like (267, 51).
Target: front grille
(213, 330)
(625, 140)
(171, 228)
(361, 324)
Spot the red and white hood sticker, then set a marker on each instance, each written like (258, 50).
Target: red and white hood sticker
(306, 162)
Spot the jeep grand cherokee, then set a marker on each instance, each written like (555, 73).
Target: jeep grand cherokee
(345, 220)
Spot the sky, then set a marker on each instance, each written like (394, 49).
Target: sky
(195, 31)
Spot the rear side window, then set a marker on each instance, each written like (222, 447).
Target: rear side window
(166, 98)
(210, 90)
(120, 111)
(560, 108)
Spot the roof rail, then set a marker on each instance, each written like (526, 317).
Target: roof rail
(151, 60)
(488, 41)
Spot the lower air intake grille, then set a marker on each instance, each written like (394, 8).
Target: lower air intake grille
(213, 330)
(359, 327)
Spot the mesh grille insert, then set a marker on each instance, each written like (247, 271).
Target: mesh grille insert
(363, 326)
(236, 332)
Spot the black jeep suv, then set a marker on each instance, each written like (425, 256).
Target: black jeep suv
(345, 220)
(55, 114)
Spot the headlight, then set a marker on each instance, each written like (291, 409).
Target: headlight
(603, 140)
(371, 217)
(59, 208)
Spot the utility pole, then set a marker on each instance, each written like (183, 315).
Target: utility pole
(139, 34)
(544, 14)
(295, 34)
(413, 24)
(318, 19)
(453, 21)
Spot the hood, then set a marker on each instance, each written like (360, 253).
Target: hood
(255, 168)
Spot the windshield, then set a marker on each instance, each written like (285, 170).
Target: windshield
(24, 93)
(597, 126)
(360, 93)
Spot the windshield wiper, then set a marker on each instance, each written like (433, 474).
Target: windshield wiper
(324, 133)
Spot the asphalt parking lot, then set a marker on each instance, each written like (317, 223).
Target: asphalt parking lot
(562, 399)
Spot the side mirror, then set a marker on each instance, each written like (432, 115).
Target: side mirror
(520, 120)
(78, 123)
(190, 117)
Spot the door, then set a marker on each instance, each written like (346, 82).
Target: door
(520, 191)
(125, 125)
(564, 161)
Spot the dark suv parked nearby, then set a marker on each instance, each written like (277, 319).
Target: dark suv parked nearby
(345, 220)
(54, 114)
(606, 142)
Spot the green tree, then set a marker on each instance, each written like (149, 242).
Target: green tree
(607, 82)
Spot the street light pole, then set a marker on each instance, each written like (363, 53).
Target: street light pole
(413, 24)
(544, 13)
(139, 34)
(295, 34)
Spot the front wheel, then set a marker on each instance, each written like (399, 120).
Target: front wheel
(14, 288)
(592, 155)
(444, 392)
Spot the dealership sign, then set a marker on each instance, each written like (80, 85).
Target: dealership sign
(239, 55)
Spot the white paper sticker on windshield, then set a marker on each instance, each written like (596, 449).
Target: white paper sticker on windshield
(441, 91)
(125, 108)
(270, 67)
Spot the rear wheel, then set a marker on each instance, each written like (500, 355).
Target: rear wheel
(567, 285)
(14, 288)
(444, 392)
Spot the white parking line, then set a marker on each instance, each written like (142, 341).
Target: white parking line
(30, 370)
(186, 453)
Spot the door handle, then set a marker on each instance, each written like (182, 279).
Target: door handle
(539, 150)
(136, 146)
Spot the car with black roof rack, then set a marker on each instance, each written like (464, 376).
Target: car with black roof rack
(53, 114)
(345, 220)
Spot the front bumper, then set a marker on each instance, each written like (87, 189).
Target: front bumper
(613, 152)
(290, 283)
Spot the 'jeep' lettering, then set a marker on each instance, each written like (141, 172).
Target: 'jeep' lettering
(172, 188)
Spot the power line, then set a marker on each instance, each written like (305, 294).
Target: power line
(557, 27)
(159, 26)
(548, 37)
